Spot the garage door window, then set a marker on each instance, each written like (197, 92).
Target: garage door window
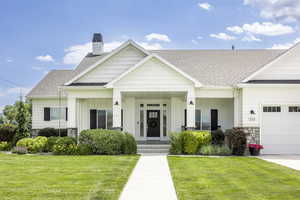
(272, 109)
(294, 108)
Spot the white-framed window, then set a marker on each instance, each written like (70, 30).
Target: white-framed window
(57, 113)
(198, 120)
(104, 119)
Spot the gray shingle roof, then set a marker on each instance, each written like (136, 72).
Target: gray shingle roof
(48, 86)
(219, 67)
(209, 67)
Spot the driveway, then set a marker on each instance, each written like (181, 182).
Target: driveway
(291, 161)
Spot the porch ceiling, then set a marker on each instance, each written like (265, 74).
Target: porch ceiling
(153, 95)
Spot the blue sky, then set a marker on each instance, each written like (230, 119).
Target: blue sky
(38, 36)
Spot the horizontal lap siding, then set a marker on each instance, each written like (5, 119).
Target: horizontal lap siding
(114, 66)
(254, 97)
(153, 73)
(38, 106)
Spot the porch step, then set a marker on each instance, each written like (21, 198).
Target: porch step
(153, 148)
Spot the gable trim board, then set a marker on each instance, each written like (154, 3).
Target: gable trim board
(114, 52)
(266, 66)
(111, 83)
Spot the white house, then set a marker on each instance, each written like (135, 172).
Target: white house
(151, 93)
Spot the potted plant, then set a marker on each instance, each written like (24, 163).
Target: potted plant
(255, 149)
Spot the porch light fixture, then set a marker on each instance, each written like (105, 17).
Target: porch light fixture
(252, 112)
(191, 103)
(116, 103)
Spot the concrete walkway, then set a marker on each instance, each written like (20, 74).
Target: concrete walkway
(150, 180)
(291, 161)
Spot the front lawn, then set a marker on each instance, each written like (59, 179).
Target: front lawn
(35, 177)
(233, 178)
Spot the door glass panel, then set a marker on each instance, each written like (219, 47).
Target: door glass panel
(109, 119)
(142, 123)
(165, 123)
(101, 122)
(198, 119)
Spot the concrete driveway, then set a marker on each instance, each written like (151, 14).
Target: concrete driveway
(291, 161)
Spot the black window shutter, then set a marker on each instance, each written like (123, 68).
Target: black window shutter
(66, 114)
(46, 114)
(93, 119)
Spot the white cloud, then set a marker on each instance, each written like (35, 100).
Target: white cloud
(45, 58)
(199, 37)
(282, 10)
(157, 36)
(74, 54)
(235, 29)
(37, 68)
(205, 6)
(268, 29)
(222, 36)
(250, 38)
(285, 45)
(195, 42)
(9, 60)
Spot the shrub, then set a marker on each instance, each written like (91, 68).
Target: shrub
(193, 140)
(65, 146)
(33, 145)
(50, 132)
(215, 150)
(176, 147)
(108, 142)
(20, 150)
(50, 143)
(129, 145)
(237, 141)
(218, 137)
(4, 146)
(7, 132)
(83, 149)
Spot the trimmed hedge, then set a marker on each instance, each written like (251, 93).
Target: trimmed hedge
(52, 132)
(50, 143)
(194, 140)
(189, 142)
(218, 137)
(216, 150)
(7, 132)
(33, 145)
(65, 146)
(108, 142)
(4, 146)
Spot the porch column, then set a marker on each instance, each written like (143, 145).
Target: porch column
(71, 123)
(190, 109)
(117, 107)
(237, 107)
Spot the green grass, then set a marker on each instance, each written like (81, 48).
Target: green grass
(36, 177)
(233, 178)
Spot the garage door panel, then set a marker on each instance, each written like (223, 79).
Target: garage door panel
(280, 131)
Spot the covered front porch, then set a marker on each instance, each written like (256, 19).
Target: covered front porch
(149, 115)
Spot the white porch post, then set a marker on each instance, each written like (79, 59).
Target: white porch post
(190, 109)
(117, 107)
(71, 123)
(237, 107)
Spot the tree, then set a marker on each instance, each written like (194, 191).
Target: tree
(23, 123)
(10, 113)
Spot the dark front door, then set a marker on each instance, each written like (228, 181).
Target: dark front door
(153, 123)
(214, 119)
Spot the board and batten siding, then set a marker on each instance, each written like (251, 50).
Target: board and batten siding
(114, 66)
(285, 68)
(38, 106)
(253, 98)
(153, 74)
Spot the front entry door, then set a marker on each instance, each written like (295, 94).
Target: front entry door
(153, 123)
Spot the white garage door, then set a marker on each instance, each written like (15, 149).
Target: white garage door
(280, 129)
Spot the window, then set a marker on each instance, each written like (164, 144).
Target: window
(198, 119)
(58, 113)
(142, 123)
(294, 108)
(271, 109)
(101, 119)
